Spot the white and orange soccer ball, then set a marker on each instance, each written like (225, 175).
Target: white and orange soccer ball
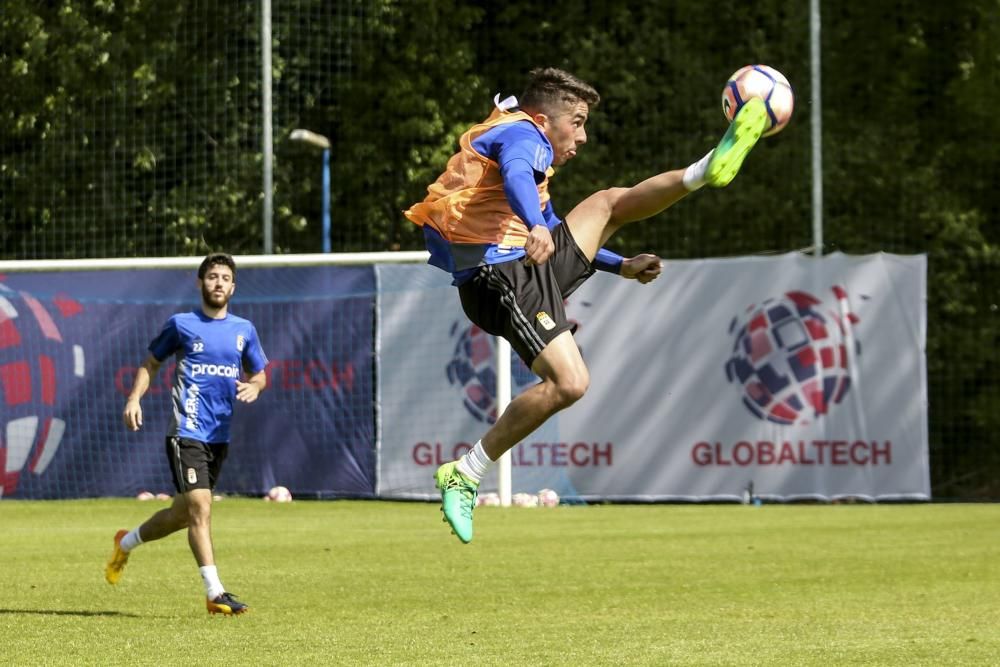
(279, 494)
(766, 83)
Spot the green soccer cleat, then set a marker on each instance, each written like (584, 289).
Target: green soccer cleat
(116, 564)
(226, 604)
(742, 135)
(458, 498)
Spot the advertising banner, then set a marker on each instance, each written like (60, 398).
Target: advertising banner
(787, 378)
(70, 344)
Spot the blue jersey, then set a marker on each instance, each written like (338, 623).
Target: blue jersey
(211, 356)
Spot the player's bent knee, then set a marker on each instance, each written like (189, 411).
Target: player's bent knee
(596, 208)
(571, 390)
(608, 199)
(198, 512)
(616, 218)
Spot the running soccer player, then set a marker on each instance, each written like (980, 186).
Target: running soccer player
(215, 351)
(488, 220)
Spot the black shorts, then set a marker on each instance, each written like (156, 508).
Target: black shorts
(195, 464)
(525, 304)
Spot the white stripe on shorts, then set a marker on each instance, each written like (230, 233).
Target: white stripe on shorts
(522, 324)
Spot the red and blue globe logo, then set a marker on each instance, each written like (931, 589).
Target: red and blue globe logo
(472, 370)
(791, 359)
(36, 364)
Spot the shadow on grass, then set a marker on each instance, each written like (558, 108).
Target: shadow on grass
(67, 612)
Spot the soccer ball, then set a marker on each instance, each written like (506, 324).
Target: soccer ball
(524, 500)
(279, 494)
(487, 500)
(766, 83)
(548, 498)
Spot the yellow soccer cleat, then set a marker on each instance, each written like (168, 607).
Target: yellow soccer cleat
(226, 604)
(742, 135)
(116, 564)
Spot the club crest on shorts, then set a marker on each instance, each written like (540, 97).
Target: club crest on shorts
(192, 476)
(546, 321)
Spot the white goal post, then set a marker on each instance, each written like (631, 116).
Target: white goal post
(503, 351)
(242, 261)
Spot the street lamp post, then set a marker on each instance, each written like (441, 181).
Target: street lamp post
(321, 142)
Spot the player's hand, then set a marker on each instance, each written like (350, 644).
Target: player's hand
(539, 246)
(132, 415)
(247, 392)
(645, 268)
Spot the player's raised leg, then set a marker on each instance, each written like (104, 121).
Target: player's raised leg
(598, 217)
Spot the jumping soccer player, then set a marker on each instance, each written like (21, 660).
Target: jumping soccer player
(488, 220)
(214, 350)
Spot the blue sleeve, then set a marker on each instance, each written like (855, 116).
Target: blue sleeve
(167, 342)
(549, 214)
(254, 359)
(517, 141)
(522, 192)
(524, 155)
(608, 261)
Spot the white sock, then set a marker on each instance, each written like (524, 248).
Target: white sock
(475, 463)
(213, 587)
(694, 176)
(131, 541)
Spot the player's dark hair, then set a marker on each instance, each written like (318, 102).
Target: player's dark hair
(549, 89)
(216, 258)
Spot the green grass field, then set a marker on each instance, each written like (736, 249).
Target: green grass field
(380, 583)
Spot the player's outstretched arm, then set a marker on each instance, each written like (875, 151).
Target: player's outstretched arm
(132, 414)
(247, 392)
(645, 268)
